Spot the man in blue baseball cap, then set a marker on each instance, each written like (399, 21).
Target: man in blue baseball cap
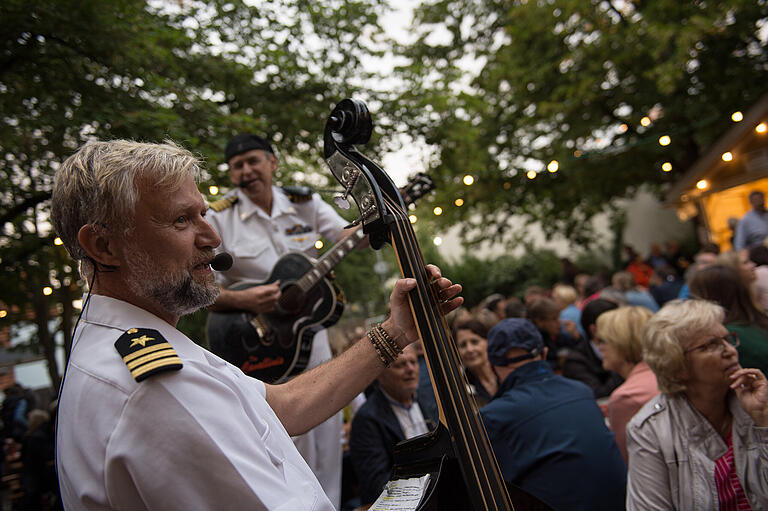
(547, 431)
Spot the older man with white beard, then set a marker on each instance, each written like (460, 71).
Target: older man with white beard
(147, 418)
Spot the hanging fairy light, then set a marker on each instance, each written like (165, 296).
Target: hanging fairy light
(437, 240)
(213, 190)
(703, 184)
(413, 218)
(737, 116)
(437, 211)
(727, 156)
(459, 202)
(665, 140)
(531, 174)
(57, 241)
(468, 180)
(645, 121)
(666, 166)
(319, 244)
(553, 166)
(761, 128)
(47, 290)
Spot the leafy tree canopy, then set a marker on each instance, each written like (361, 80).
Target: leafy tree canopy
(499, 88)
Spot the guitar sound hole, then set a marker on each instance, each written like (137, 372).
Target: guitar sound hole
(291, 300)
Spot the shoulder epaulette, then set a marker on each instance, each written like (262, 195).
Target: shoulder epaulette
(298, 193)
(146, 353)
(222, 204)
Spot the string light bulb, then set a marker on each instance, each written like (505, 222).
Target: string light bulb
(665, 140)
(553, 166)
(437, 211)
(703, 184)
(437, 240)
(727, 156)
(413, 218)
(57, 241)
(737, 116)
(213, 190)
(319, 244)
(468, 180)
(47, 290)
(531, 174)
(645, 121)
(666, 166)
(459, 202)
(761, 128)
(3, 313)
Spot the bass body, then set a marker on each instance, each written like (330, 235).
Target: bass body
(276, 345)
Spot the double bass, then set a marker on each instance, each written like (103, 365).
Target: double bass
(457, 455)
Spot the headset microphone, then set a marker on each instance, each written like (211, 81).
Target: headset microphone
(222, 262)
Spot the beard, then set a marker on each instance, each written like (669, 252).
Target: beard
(178, 292)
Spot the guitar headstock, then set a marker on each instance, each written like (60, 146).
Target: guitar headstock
(349, 124)
(417, 187)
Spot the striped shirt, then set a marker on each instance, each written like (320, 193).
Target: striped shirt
(730, 494)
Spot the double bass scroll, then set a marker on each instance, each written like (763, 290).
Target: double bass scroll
(458, 456)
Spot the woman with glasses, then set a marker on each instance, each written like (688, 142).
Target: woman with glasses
(702, 444)
(619, 339)
(722, 285)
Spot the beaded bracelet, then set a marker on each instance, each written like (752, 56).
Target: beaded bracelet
(385, 346)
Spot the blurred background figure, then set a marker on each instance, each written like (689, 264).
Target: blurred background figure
(724, 286)
(706, 256)
(712, 417)
(470, 336)
(624, 282)
(752, 229)
(665, 285)
(584, 361)
(619, 336)
(565, 297)
(545, 314)
(759, 255)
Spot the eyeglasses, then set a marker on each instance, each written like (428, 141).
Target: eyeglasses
(717, 344)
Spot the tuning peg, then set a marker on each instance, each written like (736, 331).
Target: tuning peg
(350, 176)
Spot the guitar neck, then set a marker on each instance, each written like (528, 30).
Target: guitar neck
(329, 260)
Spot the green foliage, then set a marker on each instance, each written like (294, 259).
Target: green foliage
(498, 88)
(196, 72)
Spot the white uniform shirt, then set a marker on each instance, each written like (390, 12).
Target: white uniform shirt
(201, 438)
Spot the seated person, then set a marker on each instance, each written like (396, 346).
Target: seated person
(584, 361)
(703, 442)
(547, 431)
(471, 340)
(390, 414)
(619, 339)
(558, 337)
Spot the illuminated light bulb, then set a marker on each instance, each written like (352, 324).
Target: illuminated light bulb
(468, 180)
(665, 140)
(761, 128)
(413, 218)
(437, 211)
(319, 244)
(727, 156)
(645, 121)
(737, 116)
(666, 166)
(623, 128)
(531, 174)
(507, 185)
(553, 166)
(437, 241)
(459, 202)
(702, 185)
(47, 290)
(57, 241)
(577, 153)
(213, 190)
(3, 313)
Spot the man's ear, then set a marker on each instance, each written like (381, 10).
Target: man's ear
(99, 245)
(543, 354)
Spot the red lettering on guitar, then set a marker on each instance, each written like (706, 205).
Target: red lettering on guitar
(254, 364)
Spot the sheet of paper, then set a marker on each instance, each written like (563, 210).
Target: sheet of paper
(401, 495)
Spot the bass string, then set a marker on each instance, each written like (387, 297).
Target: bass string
(433, 329)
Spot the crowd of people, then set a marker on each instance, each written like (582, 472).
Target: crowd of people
(657, 391)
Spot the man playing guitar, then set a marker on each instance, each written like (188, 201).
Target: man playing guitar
(258, 224)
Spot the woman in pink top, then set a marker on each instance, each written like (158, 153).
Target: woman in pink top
(619, 336)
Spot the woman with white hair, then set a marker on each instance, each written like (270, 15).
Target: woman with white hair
(703, 442)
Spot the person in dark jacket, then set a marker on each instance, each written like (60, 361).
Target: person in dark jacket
(583, 361)
(390, 414)
(547, 431)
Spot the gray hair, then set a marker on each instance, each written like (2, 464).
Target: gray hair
(666, 333)
(99, 185)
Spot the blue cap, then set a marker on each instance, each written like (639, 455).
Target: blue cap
(513, 333)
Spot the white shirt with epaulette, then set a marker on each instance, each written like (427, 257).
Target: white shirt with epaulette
(198, 437)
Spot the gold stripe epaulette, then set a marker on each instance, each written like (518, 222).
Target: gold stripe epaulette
(222, 204)
(298, 194)
(146, 353)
